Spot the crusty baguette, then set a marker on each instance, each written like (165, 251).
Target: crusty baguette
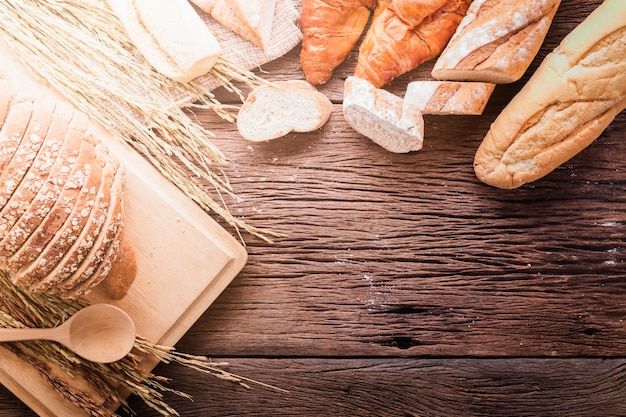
(382, 116)
(571, 98)
(171, 36)
(273, 110)
(449, 97)
(496, 41)
(250, 19)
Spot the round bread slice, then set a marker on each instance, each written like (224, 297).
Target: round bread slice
(274, 110)
(53, 182)
(91, 216)
(24, 172)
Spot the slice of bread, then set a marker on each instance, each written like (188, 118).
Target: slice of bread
(274, 110)
(383, 117)
(250, 19)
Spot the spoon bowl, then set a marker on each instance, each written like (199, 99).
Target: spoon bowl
(99, 333)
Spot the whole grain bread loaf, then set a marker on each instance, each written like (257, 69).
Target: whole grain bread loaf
(61, 199)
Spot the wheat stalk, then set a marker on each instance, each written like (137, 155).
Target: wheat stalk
(81, 49)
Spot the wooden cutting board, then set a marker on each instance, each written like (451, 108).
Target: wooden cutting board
(185, 260)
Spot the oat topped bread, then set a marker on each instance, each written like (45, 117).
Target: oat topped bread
(61, 211)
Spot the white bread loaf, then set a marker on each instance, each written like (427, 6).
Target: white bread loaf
(273, 110)
(382, 116)
(571, 98)
(171, 36)
(250, 19)
(61, 222)
(496, 41)
(449, 97)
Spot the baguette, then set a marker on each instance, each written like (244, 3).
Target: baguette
(171, 36)
(496, 41)
(571, 98)
(449, 97)
(382, 116)
(273, 110)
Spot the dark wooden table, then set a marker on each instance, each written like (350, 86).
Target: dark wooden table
(404, 286)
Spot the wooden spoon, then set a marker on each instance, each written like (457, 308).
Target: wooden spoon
(99, 333)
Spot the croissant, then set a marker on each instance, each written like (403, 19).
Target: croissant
(61, 212)
(330, 29)
(405, 34)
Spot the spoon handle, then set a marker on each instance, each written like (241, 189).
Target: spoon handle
(16, 335)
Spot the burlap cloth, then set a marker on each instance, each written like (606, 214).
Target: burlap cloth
(285, 36)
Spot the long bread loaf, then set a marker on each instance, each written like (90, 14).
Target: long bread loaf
(496, 41)
(571, 98)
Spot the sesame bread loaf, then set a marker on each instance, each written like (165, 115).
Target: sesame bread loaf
(61, 199)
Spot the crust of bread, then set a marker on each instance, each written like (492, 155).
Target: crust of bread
(571, 98)
(52, 183)
(205, 5)
(382, 116)
(22, 177)
(122, 273)
(250, 19)
(97, 264)
(65, 248)
(11, 135)
(449, 97)
(33, 266)
(273, 110)
(496, 41)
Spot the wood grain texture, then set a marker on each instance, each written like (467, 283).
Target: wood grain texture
(404, 286)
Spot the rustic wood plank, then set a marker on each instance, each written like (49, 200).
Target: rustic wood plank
(409, 388)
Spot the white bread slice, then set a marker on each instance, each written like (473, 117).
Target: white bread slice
(496, 41)
(274, 110)
(570, 99)
(250, 19)
(171, 36)
(449, 97)
(382, 116)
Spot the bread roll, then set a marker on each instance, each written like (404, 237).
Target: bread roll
(171, 36)
(571, 98)
(382, 116)
(496, 41)
(274, 110)
(61, 222)
(449, 97)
